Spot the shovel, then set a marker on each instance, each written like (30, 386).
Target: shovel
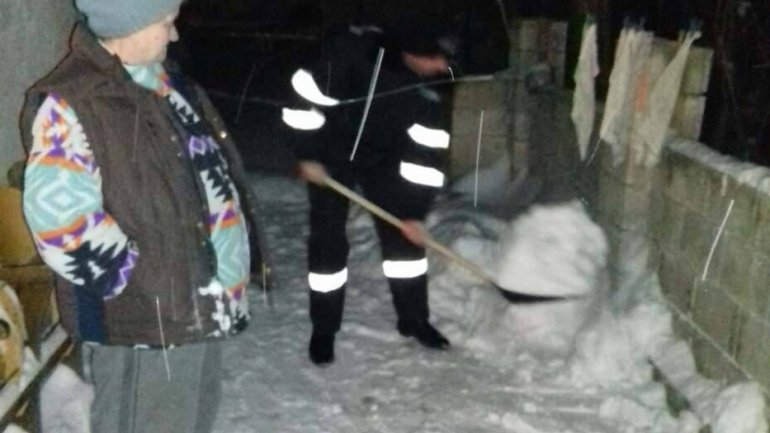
(511, 295)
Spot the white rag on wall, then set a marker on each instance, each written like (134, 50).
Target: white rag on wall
(584, 101)
(631, 54)
(661, 102)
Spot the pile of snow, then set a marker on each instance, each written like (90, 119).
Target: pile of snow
(552, 250)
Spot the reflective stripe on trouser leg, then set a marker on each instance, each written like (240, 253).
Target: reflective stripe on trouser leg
(405, 268)
(326, 283)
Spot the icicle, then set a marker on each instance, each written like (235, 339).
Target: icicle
(584, 102)
(369, 98)
(478, 157)
(163, 339)
(716, 240)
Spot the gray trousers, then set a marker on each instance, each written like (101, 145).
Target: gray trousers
(133, 392)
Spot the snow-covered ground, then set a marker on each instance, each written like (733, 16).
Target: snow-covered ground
(577, 366)
(570, 366)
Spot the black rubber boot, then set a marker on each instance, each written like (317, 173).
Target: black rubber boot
(326, 316)
(424, 333)
(321, 349)
(410, 298)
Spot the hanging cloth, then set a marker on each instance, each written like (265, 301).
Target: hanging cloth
(631, 56)
(584, 99)
(661, 102)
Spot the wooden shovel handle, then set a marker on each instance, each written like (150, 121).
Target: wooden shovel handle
(392, 219)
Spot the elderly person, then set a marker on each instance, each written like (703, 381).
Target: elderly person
(134, 195)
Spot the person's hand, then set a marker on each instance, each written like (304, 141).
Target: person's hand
(414, 232)
(312, 171)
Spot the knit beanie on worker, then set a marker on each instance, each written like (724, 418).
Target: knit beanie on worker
(117, 18)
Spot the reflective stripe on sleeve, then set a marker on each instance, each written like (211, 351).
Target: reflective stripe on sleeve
(304, 84)
(421, 174)
(405, 268)
(326, 283)
(433, 138)
(305, 120)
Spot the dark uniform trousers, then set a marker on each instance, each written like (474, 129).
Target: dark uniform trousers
(328, 245)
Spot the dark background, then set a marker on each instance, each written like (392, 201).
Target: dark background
(244, 52)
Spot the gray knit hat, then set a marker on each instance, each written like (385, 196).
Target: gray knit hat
(116, 18)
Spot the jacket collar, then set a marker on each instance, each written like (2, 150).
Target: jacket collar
(85, 45)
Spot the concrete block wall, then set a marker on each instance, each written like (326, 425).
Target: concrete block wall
(33, 37)
(507, 104)
(724, 303)
(721, 298)
(494, 98)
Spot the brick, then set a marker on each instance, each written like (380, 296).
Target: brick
(715, 313)
(753, 351)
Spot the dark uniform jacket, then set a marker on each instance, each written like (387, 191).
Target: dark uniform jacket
(402, 100)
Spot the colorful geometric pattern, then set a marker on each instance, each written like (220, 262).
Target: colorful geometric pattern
(63, 205)
(226, 224)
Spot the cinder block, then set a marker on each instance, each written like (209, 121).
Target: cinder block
(715, 313)
(687, 119)
(525, 34)
(753, 350)
(714, 364)
(671, 225)
(740, 221)
(761, 238)
(688, 182)
(484, 95)
(697, 72)
(676, 281)
(759, 285)
(696, 240)
(716, 200)
(733, 270)
(462, 153)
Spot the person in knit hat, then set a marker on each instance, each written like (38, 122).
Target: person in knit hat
(135, 196)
